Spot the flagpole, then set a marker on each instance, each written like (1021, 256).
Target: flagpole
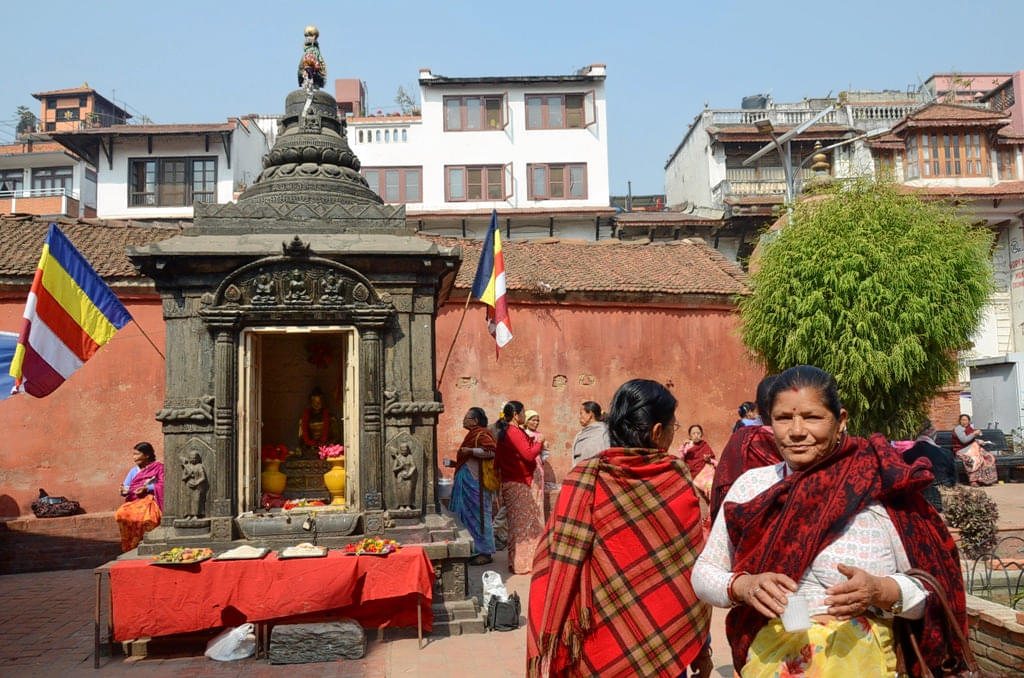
(469, 295)
(148, 339)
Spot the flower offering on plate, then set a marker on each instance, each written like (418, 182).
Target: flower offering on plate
(182, 556)
(372, 546)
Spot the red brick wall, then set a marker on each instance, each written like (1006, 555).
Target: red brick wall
(944, 410)
(563, 355)
(996, 636)
(38, 544)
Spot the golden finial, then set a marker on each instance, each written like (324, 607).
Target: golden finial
(311, 31)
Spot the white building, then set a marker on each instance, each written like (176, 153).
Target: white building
(158, 171)
(534, 148)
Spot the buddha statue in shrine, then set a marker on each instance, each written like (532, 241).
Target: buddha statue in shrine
(317, 426)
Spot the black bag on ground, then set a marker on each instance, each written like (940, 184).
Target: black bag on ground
(503, 615)
(54, 507)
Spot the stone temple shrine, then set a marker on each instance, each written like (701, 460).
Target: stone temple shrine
(299, 317)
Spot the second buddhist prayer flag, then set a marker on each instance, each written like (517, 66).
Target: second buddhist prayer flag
(70, 313)
(489, 285)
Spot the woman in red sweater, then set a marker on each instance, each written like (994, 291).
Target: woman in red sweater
(517, 459)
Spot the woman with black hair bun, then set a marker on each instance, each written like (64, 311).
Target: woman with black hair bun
(517, 459)
(611, 593)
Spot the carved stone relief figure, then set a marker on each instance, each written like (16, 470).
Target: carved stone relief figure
(297, 287)
(264, 290)
(193, 474)
(331, 289)
(404, 467)
(404, 476)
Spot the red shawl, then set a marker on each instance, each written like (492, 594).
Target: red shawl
(611, 593)
(765, 529)
(153, 472)
(478, 436)
(696, 456)
(749, 447)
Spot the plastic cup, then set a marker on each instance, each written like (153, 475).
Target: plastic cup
(796, 617)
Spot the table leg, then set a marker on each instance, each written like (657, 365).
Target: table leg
(96, 622)
(419, 622)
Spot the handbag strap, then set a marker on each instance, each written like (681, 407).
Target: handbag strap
(951, 621)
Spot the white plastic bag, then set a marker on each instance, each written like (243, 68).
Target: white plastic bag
(493, 587)
(232, 644)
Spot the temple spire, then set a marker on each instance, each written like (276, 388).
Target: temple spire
(312, 67)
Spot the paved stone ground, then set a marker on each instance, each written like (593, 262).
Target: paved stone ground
(46, 630)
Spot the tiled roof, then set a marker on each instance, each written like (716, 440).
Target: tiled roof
(951, 115)
(197, 128)
(1004, 189)
(955, 112)
(69, 90)
(676, 267)
(102, 243)
(663, 218)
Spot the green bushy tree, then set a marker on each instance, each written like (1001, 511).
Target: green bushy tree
(876, 286)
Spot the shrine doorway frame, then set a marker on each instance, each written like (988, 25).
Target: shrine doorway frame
(249, 408)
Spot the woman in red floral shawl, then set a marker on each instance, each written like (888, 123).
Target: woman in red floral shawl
(611, 593)
(837, 524)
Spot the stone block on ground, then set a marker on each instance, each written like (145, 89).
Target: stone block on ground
(320, 642)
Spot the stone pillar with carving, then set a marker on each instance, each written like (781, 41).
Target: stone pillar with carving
(371, 444)
(222, 478)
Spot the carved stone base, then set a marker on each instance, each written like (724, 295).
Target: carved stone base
(305, 478)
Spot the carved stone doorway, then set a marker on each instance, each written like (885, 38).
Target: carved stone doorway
(278, 369)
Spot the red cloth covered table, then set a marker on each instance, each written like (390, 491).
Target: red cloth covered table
(153, 600)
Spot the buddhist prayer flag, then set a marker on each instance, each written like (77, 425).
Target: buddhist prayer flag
(489, 285)
(8, 342)
(70, 313)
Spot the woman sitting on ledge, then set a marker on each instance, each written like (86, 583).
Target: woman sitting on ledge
(143, 492)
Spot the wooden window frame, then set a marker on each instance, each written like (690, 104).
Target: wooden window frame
(947, 153)
(588, 104)
(1006, 163)
(16, 176)
(506, 183)
(403, 172)
(566, 167)
(138, 198)
(66, 172)
(502, 100)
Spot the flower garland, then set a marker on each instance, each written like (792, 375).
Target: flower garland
(307, 438)
(373, 545)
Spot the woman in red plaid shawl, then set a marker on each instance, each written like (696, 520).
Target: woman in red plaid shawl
(611, 592)
(837, 523)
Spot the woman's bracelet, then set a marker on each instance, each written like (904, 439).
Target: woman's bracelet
(728, 590)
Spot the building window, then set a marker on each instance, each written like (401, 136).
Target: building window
(557, 182)
(11, 181)
(83, 101)
(51, 102)
(885, 164)
(55, 179)
(172, 182)
(396, 184)
(945, 155)
(474, 113)
(51, 127)
(1006, 167)
(560, 111)
(477, 182)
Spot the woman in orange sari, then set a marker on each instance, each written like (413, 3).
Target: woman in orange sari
(143, 492)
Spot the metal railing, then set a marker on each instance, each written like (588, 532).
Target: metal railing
(56, 192)
(982, 578)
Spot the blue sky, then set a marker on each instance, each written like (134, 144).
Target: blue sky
(189, 61)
